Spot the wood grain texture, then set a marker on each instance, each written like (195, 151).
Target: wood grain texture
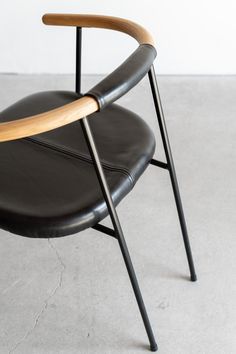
(108, 22)
(84, 106)
(50, 120)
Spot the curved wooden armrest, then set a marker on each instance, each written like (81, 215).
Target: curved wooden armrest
(113, 87)
(97, 21)
(50, 120)
(129, 73)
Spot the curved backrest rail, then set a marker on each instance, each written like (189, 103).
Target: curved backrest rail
(98, 21)
(126, 76)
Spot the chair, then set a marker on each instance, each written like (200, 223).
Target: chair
(67, 159)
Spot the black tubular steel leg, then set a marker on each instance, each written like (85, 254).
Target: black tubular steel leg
(171, 168)
(118, 230)
(78, 59)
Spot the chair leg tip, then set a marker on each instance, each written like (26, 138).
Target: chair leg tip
(154, 348)
(193, 277)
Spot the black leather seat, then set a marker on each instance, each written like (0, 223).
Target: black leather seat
(48, 185)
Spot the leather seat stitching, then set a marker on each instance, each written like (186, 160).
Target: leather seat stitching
(80, 156)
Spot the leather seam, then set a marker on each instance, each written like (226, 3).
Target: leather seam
(80, 156)
(114, 86)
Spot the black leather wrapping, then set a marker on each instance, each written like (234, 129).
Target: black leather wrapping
(125, 77)
(48, 184)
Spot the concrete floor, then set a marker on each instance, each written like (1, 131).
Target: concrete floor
(72, 295)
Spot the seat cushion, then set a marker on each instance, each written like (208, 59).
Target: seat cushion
(48, 185)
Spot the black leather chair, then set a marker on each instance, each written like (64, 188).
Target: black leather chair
(50, 152)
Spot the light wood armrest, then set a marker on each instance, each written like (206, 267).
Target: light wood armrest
(84, 106)
(108, 22)
(50, 120)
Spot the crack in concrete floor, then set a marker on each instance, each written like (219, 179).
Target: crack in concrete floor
(46, 301)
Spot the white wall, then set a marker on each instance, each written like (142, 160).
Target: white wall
(192, 36)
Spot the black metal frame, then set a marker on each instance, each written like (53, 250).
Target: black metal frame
(117, 231)
(78, 59)
(171, 168)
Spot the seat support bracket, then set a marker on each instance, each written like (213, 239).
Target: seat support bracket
(106, 230)
(159, 164)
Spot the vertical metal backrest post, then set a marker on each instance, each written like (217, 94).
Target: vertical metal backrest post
(78, 60)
